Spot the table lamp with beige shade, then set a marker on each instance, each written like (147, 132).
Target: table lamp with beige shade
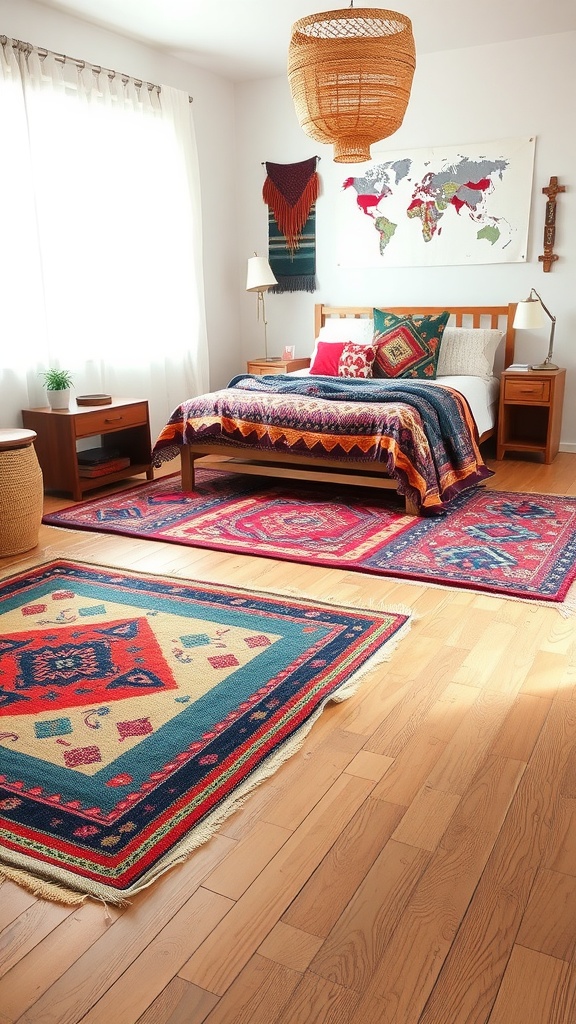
(530, 316)
(259, 279)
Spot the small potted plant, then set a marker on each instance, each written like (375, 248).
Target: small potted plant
(57, 384)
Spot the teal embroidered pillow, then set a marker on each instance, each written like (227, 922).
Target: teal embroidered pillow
(407, 346)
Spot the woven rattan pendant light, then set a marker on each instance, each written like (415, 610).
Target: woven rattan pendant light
(350, 74)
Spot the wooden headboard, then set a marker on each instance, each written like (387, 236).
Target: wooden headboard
(500, 317)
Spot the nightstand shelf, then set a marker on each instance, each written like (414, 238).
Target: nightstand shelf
(530, 412)
(262, 366)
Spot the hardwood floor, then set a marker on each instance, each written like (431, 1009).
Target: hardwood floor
(413, 863)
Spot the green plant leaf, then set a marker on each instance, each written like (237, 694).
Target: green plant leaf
(57, 380)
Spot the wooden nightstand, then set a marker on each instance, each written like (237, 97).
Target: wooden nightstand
(262, 366)
(123, 425)
(530, 412)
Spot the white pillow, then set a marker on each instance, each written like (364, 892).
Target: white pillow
(469, 351)
(359, 330)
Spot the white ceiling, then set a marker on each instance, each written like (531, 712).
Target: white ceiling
(247, 39)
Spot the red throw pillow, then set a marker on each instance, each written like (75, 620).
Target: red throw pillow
(356, 360)
(327, 357)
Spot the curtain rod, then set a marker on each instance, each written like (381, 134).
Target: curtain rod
(22, 47)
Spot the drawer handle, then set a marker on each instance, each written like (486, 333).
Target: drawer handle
(113, 419)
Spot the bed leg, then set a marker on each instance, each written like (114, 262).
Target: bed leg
(411, 508)
(187, 468)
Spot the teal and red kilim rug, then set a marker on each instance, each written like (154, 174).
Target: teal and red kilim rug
(498, 542)
(136, 712)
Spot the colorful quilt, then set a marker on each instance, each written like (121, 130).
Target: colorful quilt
(423, 436)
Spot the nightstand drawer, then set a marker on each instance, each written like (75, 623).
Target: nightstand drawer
(111, 418)
(526, 390)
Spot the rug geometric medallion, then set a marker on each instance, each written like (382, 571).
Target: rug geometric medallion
(137, 710)
(501, 542)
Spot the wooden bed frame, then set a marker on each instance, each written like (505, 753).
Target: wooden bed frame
(297, 467)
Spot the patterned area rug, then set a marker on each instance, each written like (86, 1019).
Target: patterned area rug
(137, 711)
(501, 542)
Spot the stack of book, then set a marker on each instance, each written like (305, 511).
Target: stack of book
(101, 461)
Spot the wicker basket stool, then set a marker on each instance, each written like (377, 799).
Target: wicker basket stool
(21, 492)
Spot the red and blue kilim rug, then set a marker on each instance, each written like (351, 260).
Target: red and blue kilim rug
(499, 542)
(136, 711)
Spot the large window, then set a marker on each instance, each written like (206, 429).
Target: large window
(100, 260)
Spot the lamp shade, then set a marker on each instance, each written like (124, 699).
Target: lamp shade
(259, 276)
(350, 74)
(529, 314)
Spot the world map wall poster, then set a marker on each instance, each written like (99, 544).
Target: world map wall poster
(448, 206)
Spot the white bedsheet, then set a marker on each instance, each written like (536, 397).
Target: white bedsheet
(481, 395)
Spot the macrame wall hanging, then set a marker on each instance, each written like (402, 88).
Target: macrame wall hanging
(290, 192)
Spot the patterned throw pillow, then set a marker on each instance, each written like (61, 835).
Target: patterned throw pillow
(407, 346)
(356, 360)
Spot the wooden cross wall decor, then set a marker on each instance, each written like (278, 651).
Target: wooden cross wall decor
(549, 257)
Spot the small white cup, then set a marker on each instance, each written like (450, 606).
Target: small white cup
(288, 352)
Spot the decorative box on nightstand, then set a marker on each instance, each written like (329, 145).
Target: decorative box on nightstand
(530, 412)
(262, 366)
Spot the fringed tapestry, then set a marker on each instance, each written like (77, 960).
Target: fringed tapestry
(290, 192)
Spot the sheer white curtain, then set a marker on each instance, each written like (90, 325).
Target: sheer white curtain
(100, 252)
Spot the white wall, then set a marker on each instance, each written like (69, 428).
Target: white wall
(513, 90)
(214, 120)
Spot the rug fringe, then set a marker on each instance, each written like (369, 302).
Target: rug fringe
(566, 608)
(41, 887)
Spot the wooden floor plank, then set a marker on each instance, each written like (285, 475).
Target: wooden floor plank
(318, 1000)
(247, 859)
(546, 674)
(535, 989)
(325, 895)
(471, 741)
(258, 995)
(413, 958)
(522, 726)
(15, 901)
(28, 930)
(32, 975)
(474, 967)
(428, 686)
(227, 950)
(179, 1003)
(159, 962)
(290, 946)
(426, 820)
(548, 923)
(560, 853)
(361, 934)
